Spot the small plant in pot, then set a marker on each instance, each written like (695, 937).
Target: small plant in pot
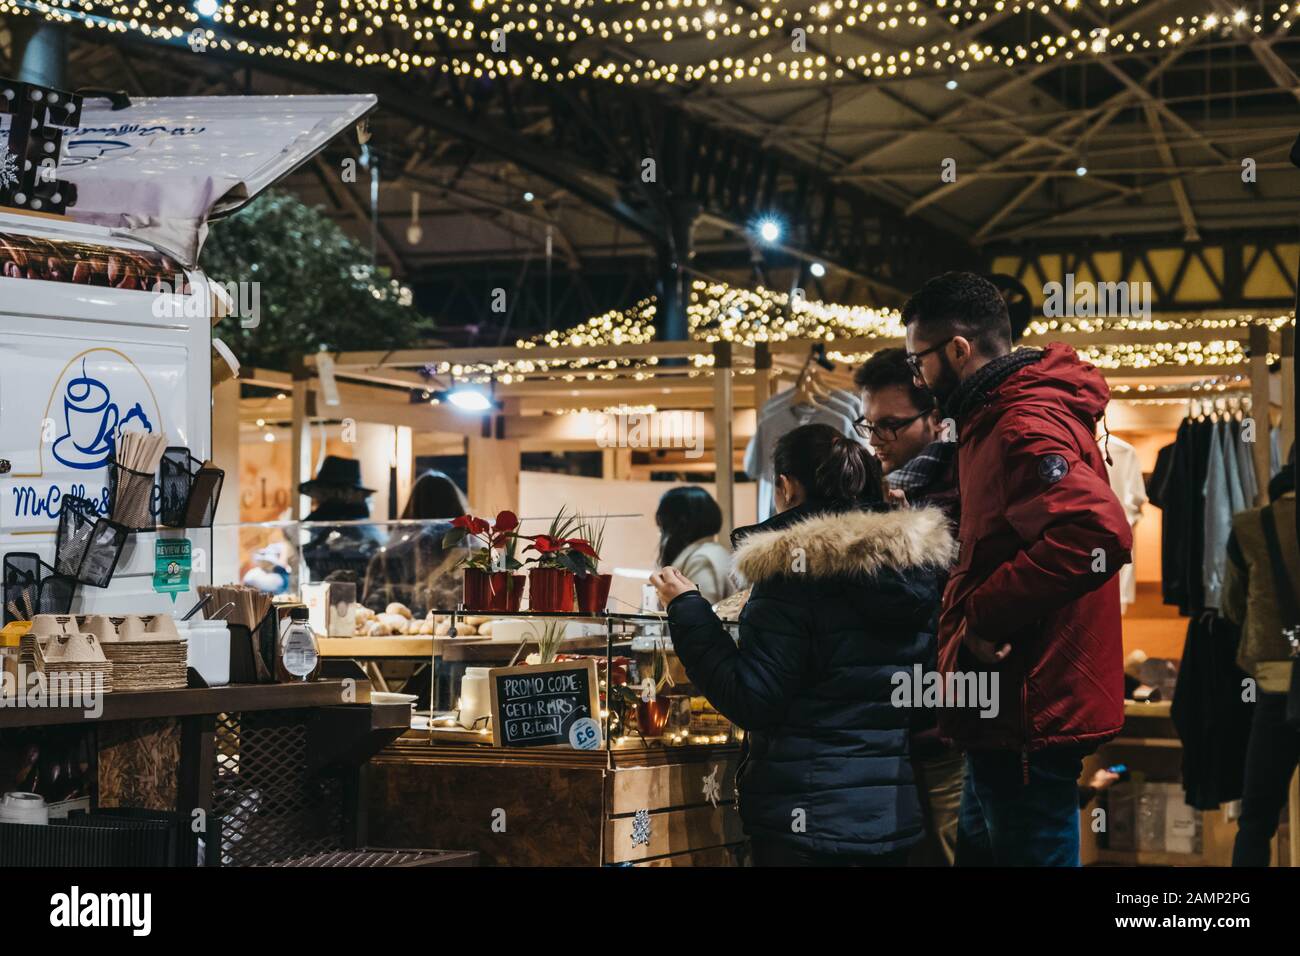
(560, 557)
(591, 586)
(491, 583)
(650, 707)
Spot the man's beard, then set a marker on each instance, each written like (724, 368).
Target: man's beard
(947, 382)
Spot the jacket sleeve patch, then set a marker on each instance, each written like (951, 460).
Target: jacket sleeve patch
(1052, 468)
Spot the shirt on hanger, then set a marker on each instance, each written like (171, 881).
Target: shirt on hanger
(782, 414)
(1236, 494)
(1218, 518)
(1246, 470)
(1125, 473)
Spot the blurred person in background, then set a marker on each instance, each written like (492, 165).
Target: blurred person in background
(1261, 594)
(412, 567)
(339, 551)
(689, 521)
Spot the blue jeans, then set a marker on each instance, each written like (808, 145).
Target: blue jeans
(1029, 824)
(973, 847)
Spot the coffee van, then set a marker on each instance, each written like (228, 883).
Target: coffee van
(106, 316)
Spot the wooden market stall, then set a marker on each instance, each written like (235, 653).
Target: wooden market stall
(553, 398)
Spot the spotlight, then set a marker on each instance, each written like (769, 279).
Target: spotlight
(769, 230)
(207, 8)
(817, 269)
(1081, 169)
(469, 399)
(529, 197)
(952, 83)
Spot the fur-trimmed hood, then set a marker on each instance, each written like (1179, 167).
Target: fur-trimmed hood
(848, 544)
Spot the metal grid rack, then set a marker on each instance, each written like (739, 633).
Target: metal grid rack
(267, 804)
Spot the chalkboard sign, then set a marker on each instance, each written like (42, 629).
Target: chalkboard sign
(539, 705)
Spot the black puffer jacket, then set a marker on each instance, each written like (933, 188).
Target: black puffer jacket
(840, 603)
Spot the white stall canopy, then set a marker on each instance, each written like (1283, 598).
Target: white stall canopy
(160, 168)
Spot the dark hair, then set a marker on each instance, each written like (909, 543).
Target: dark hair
(962, 303)
(888, 367)
(834, 470)
(434, 495)
(685, 515)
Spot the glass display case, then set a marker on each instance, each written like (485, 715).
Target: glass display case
(416, 628)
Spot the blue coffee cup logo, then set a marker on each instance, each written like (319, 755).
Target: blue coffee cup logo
(90, 420)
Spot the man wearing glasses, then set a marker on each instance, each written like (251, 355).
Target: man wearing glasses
(902, 424)
(1034, 595)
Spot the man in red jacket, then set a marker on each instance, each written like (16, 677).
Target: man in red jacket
(1034, 595)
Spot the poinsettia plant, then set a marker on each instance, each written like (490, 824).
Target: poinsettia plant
(560, 548)
(493, 543)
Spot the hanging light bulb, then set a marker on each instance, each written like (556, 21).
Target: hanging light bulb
(414, 233)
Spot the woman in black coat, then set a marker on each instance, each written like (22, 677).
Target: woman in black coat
(844, 597)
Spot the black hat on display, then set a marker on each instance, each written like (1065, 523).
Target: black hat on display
(338, 477)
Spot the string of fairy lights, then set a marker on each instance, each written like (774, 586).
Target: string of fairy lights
(718, 311)
(363, 33)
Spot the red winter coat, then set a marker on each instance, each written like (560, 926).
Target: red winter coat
(1042, 537)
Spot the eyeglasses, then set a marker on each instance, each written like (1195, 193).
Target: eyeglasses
(887, 429)
(914, 358)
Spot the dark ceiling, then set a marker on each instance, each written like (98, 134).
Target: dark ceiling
(851, 166)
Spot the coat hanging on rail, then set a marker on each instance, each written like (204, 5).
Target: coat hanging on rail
(810, 401)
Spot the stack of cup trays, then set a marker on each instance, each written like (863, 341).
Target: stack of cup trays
(72, 660)
(147, 653)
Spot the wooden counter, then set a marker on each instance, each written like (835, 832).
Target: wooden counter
(186, 702)
(559, 807)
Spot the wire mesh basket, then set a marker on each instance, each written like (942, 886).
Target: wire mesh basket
(132, 495)
(32, 587)
(88, 545)
(188, 490)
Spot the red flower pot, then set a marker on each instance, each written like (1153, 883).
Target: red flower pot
(481, 587)
(492, 590)
(652, 716)
(593, 592)
(550, 589)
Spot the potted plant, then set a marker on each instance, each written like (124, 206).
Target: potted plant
(652, 708)
(549, 639)
(560, 556)
(491, 583)
(592, 587)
